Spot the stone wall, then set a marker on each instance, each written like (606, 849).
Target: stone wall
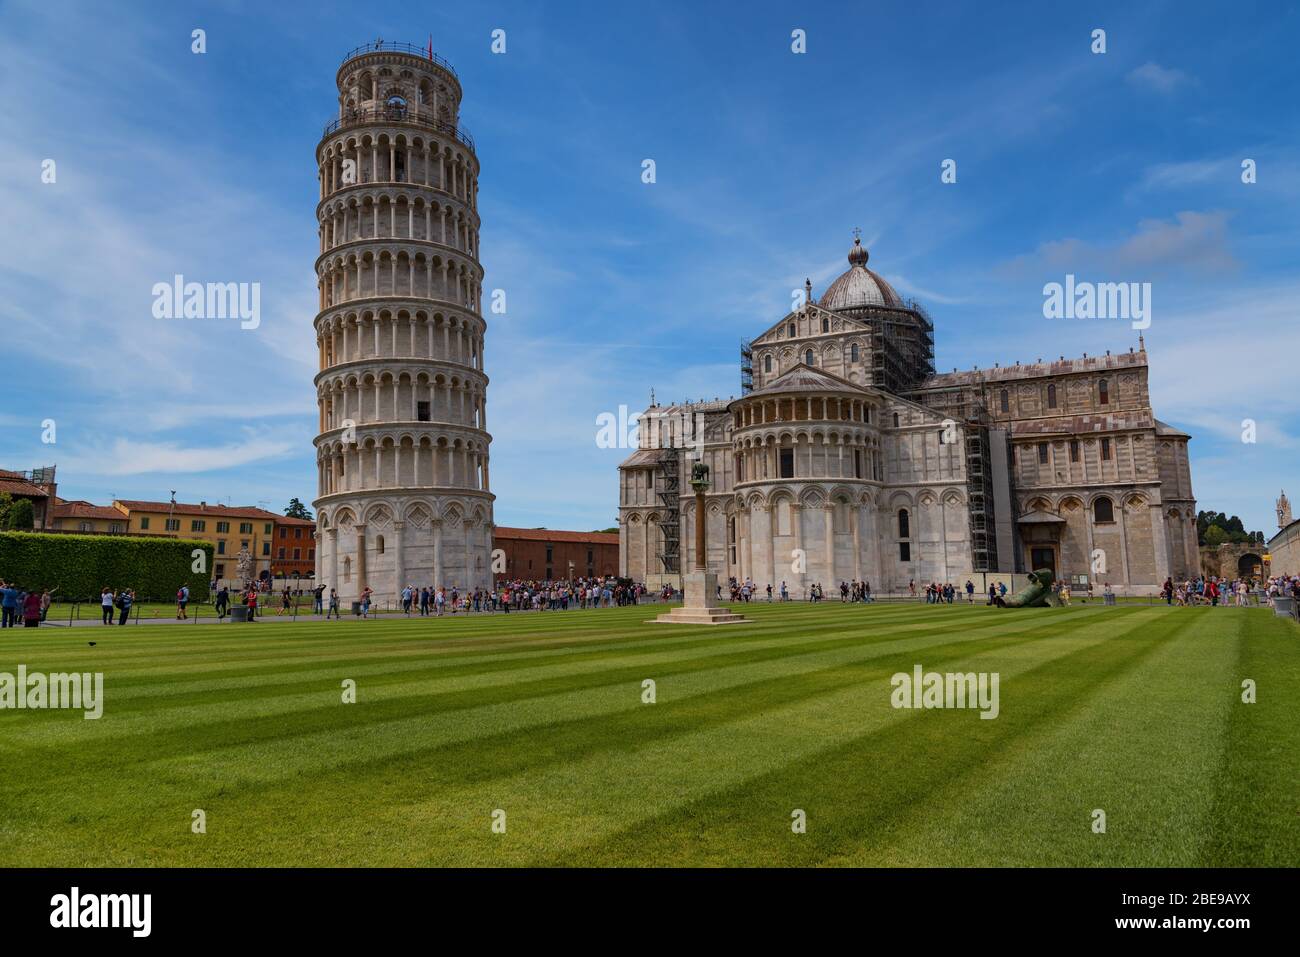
(1225, 561)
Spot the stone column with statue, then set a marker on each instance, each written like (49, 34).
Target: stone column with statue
(700, 605)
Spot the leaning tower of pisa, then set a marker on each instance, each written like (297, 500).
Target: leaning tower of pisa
(402, 449)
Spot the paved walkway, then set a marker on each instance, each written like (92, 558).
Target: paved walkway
(208, 617)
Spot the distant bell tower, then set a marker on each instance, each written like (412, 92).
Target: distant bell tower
(402, 447)
(1283, 511)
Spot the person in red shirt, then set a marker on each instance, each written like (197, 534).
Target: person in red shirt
(32, 609)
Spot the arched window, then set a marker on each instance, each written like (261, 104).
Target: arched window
(826, 324)
(808, 358)
(1103, 392)
(904, 524)
(1103, 510)
(895, 420)
(790, 330)
(853, 352)
(1051, 397)
(767, 363)
(1004, 401)
(379, 544)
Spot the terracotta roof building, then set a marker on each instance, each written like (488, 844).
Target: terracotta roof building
(78, 515)
(37, 486)
(544, 553)
(294, 549)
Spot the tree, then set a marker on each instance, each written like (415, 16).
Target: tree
(1215, 536)
(21, 517)
(297, 510)
(6, 503)
(1232, 528)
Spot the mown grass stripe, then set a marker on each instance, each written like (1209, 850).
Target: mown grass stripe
(540, 714)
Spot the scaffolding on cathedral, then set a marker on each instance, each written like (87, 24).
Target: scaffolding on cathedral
(902, 346)
(966, 404)
(670, 492)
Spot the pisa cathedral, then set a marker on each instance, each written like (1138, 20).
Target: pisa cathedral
(848, 458)
(402, 448)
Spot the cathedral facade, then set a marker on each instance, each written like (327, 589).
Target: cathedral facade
(848, 458)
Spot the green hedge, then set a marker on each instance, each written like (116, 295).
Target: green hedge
(79, 566)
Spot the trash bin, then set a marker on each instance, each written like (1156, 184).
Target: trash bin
(356, 608)
(239, 613)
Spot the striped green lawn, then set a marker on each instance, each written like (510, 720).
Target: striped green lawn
(1133, 710)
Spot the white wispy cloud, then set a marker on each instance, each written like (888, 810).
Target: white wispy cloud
(125, 456)
(1159, 79)
(1194, 242)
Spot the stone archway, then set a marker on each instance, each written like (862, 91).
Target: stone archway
(1231, 559)
(1250, 564)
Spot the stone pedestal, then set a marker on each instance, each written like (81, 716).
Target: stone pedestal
(701, 606)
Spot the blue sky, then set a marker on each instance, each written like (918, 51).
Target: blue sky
(1123, 166)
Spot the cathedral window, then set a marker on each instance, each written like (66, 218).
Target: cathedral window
(1074, 450)
(1103, 392)
(1103, 510)
(1042, 453)
(379, 545)
(787, 463)
(808, 358)
(767, 363)
(1051, 397)
(826, 324)
(1105, 450)
(904, 551)
(790, 330)
(895, 420)
(853, 352)
(904, 524)
(1004, 401)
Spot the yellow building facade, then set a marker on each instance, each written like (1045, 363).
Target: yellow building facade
(229, 529)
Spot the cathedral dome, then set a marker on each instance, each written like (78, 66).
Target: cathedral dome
(859, 286)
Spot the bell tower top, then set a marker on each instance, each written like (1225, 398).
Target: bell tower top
(387, 79)
(1283, 511)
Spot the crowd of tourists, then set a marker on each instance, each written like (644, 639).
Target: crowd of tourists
(1236, 592)
(504, 597)
(30, 607)
(20, 604)
(946, 593)
(749, 590)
